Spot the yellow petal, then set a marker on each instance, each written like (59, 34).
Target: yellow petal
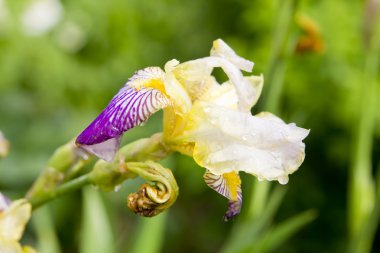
(27, 249)
(10, 246)
(14, 219)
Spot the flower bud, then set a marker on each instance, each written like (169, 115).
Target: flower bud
(152, 199)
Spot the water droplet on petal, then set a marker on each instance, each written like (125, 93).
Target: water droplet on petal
(117, 188)
(260, 178)
(283, 180)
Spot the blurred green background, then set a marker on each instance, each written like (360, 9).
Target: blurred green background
(62, 61)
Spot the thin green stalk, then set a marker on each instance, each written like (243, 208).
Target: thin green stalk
(274, 82)
(362, 202)
(150, 235)
(68, 187)
(106, 175)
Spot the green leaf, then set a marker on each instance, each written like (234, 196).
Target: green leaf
(253, 228)
(44, 227)
(276, 236)
(96, 234)
(150, 235)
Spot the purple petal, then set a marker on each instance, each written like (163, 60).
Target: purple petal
(234, 207)
(129, 108)
(228, 185)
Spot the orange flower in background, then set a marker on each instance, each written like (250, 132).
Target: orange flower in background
(311, 38)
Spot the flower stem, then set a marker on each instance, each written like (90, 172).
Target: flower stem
(275, 77)
(362, 199)
(107, 176)
(65, 188)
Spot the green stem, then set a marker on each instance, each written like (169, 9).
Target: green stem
(362, 202)
(68, 187)
(275, 78)
(105, 175)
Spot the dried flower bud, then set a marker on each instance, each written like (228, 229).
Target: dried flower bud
(153, 199)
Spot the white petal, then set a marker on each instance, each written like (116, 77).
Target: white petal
(204, 67)
(261, 145)
(221, 49)
(253, 91)
(221, 95)
(4, 201)
(105, 150)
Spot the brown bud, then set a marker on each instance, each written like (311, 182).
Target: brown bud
(140, 203)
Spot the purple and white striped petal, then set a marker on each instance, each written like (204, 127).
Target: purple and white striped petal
(228, 185)
(147, 75)
(127, 109)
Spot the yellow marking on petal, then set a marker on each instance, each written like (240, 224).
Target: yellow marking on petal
(150, 77)
(155, 84)
(233, 183)
(215, 44)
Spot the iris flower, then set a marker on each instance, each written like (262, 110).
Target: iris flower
(13, 218)
(208, 121)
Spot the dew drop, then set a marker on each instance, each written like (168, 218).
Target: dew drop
(283, 180)
(246, 137)
(117, 188)
(260, 178)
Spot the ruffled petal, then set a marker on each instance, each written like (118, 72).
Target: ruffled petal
(229, 186)
(262, 145)
(225, 95)
(196, 77)
(221, 49)
(127, 109)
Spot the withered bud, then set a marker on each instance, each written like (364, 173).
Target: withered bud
(152, 199)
